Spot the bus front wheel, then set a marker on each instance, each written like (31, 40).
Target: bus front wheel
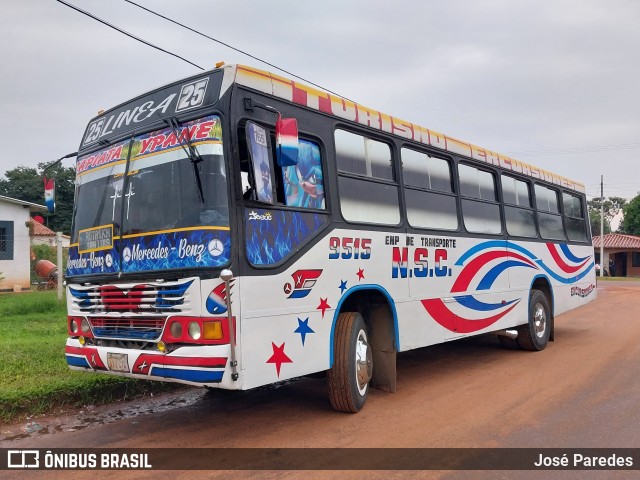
(534, 335)
(348, 378)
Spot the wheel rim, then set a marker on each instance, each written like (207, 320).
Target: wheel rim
(363, 362)
(539, 320)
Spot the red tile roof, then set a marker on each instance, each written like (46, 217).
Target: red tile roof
(41, 230)
(618, 240)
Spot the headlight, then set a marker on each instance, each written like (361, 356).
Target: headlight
(194, 330)
(176, 330)
(84, 325)
(73, 325)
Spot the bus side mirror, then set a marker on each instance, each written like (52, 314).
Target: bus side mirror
(50, 194)
(286, 141)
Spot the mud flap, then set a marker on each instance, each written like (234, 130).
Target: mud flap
(383, 349)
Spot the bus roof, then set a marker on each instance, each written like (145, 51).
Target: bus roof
(336, 106)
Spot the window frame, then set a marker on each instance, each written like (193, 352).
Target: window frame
(514, 206)
(583, 219)
(453, 193)
(497, 198)
(395, 183)
(8, 250)
(548, 212)
(241, 126)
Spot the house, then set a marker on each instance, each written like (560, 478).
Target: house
(621, 254)
(15, 217)
(43, 235)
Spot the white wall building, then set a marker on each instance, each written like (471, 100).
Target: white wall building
(15, 244)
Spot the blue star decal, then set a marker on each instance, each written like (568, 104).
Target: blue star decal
(343, 286)
(303, 329)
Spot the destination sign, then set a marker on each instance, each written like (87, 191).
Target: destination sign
(174, 99)
(94, 239)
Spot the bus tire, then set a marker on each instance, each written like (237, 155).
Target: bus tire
(348, 378)
(534, 335)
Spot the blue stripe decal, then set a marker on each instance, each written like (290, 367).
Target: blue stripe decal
(497, 244)
(203, 376)
(490, 277)
(569, 280)
(299, 293)
(85, 300)
(481, 246)
(569, 255)
(470, 302)
(77, 362)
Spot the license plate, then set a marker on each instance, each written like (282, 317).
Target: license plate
(118, 362)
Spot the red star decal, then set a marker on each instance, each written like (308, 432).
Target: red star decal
(278, 357)
(360, 274)
(324, 305)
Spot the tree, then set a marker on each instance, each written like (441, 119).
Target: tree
(594, 219)
(25, 183)
(631, 220)
(611, 206)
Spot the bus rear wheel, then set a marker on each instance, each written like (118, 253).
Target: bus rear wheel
(534, 335)
(348, 378)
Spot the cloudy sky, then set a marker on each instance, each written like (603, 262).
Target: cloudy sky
(554, 83)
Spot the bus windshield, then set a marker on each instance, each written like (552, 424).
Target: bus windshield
(99, 182)
(166, 185)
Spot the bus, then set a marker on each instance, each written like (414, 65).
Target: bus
(238, 228)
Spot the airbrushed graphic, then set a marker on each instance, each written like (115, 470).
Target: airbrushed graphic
(303, 282)
(493, 258)
(191, 369)
(217, 299)
(111, 298)
(85, 357)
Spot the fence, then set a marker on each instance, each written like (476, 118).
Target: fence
(24, 266)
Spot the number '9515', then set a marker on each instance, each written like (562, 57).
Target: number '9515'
(347, 247)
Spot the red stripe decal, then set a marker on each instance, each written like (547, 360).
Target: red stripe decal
(145, 361)
(91, 354)
(469, 271)
(561, 263)
(451, 321)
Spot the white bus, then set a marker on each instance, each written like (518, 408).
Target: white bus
(238, 228)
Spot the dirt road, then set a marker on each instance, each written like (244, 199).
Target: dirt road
(582, 391)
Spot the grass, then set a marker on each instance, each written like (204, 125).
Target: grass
(34, 376)
(619, 279)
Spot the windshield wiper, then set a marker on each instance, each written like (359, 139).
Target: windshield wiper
(192, 153)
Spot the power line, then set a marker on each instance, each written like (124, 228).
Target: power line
(233, 48)
(127, 33)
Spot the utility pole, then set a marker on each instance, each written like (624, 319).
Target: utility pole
(602, 226)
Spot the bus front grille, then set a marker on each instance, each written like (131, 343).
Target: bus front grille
(127, 328)
(146, 298)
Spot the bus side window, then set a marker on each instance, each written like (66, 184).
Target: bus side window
(300, 185)
(304, 182)
(549, 216)
(574, 218)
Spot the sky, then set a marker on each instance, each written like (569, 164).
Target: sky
(554, 83)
